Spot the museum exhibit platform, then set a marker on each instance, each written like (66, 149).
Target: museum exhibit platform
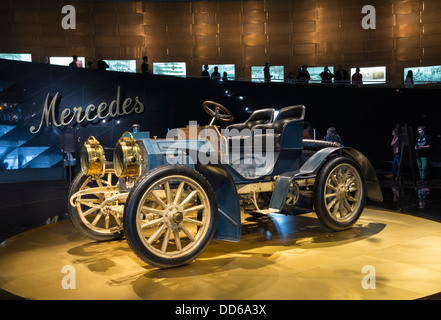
(386, 255)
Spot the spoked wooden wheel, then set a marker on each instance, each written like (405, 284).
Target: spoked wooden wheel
(95, 206)
(339, 193)
(170, 216)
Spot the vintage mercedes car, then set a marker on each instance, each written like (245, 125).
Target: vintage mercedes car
(169, 197)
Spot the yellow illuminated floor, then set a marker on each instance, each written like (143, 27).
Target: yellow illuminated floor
(279, 257)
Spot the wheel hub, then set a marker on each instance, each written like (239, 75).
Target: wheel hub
(178, 217)
(343, 193)
(174, 215)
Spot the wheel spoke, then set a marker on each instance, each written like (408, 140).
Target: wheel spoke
(197, 222)
(177, 240)
(152, 210)
(188, 234)
(334, 178)
(328, 195)
(195, 208)
(97, 218)
(349, 181)
(336, 210)
(328, 185)
(347, 205)
(156, 235)
(91, 210)
(331, 204)
(165, 240)
(102, 182)
(98, 182)
(345, 174)
(179, 192)
(189, 197)
(151, 223)
(159, 200)
(339, 176)
(168, 195)
(118, 220)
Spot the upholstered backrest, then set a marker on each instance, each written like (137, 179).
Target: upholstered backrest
(261, 116)
(292, 112)
(285, 115)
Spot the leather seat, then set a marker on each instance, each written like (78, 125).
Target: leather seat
(239, 134)
(274, 129)
(262, 116)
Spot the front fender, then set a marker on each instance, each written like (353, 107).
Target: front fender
(314, 163)
(229, 219)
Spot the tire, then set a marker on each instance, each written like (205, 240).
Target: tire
(158, 225)
(87, 218)
(339, 193)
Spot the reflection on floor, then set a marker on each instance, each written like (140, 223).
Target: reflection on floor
(279, 257)
(407, 197)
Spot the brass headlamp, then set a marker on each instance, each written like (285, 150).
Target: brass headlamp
(127, 157)
(92, 158)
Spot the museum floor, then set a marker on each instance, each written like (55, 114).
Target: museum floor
(279, 258)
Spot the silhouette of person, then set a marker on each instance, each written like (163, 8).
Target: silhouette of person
(341, 76)
(422, 149)
(45, 60)
(408, 83)
(357, 78)
(307, 130)
(73, 64)
(266, 72)
(303, 75)
(299, 74)
(396, 151)
(145, 65)
(215, 74)
(205, 73)
(326, 76)
(225, 76)
(101, 64)
(291, 78)
(332, 136)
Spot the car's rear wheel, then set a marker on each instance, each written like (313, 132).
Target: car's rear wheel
(170, 216)
(339, 193)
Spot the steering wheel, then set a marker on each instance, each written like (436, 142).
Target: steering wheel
(219, 112)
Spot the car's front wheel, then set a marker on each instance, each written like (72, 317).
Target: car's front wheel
(339, 193)
(170, 216)
(86, 212)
